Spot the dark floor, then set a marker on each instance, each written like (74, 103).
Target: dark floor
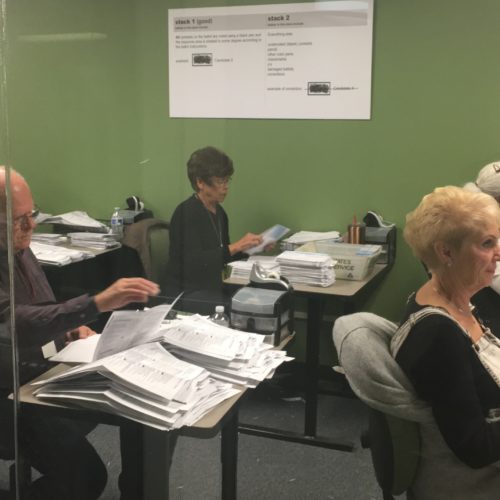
(268, 468)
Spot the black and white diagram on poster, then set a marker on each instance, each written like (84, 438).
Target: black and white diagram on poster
(304, 61)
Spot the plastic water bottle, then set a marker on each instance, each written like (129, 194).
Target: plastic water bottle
(117, 224)
(219, 317)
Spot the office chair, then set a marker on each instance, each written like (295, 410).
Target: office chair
(362, 341)
(150, 238)
(159, 241)
(394, 447)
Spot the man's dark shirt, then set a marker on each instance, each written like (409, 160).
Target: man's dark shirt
(39, 318)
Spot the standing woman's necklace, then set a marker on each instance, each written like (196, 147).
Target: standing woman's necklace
(216, 227)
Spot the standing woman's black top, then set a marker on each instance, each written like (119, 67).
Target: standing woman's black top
(199, 247)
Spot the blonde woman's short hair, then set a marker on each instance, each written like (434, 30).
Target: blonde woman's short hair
(449, 214)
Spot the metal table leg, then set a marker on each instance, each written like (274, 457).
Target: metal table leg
(229, 457)
(315, 309)
(158, 450)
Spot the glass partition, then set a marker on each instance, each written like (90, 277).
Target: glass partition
(9, 381)
(86, 129)
(69, 98)
(84, 97)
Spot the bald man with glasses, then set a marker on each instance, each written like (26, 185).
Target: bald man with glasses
(70, 467)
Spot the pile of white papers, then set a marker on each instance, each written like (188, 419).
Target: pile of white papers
(49, 238)
(78, 351)
(229, 355)
(56, 255)
(145, 383)
(93, 240)
(76, 218)
(126, 329)
(303, 237)
(165, 385)
(241, 268)
(307, 268)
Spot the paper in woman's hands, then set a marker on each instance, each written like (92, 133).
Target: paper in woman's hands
(271, 235)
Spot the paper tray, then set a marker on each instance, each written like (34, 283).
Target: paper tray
(354, 262)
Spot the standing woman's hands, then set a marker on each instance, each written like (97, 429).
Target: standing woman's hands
(248, 241)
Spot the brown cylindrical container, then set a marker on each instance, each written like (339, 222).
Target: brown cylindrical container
(356, 232)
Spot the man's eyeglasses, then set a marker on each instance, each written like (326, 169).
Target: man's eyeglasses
(26, 219)
(221, 181)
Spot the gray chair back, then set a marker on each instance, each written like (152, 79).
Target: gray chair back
(150, 238)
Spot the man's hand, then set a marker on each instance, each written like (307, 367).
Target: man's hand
(82, 332)
(124, 291)
(248, 241)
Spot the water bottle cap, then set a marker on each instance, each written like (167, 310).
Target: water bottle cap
(219, 309)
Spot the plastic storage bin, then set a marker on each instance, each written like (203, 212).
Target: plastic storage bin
(265, 311)
(353, 262)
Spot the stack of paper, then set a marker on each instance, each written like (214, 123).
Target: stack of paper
(241, 268)
(229, 355)
(164, 386)
(303, 237)
(93, 240)
(78, 351)
(75, 219)
(42, 217)
(49, 238)
(126, 329)
(56, 255)
(145, 383)
(308, 268)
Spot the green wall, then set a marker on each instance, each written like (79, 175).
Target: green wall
(89, 121)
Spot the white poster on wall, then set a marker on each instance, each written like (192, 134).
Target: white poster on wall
(303, 60)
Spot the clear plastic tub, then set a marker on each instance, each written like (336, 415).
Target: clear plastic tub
(353, 262)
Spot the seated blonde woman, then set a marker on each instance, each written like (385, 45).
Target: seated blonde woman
(443, 345)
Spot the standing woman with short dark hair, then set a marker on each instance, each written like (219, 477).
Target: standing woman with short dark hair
(199, 229)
